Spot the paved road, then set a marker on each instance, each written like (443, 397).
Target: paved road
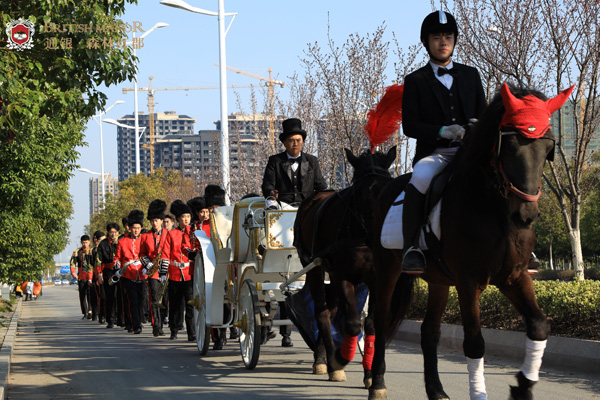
(58, 355)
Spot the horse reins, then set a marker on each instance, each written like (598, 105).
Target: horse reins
(505, 185)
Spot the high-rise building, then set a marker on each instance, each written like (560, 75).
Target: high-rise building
(569, 116)
(110, 186)
(196, 156)
(166, 124)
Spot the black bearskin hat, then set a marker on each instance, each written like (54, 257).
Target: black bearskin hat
(156, 209)
(135, 217)
(214, 196)
(197, 204)
(178, 208)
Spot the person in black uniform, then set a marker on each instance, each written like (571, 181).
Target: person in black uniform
(292, 176)
(439, 100)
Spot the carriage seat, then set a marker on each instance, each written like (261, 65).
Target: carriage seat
(220, 226)
(238, 239)
(279, 239)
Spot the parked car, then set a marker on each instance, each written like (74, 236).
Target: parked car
(57, 282)
(65, 281)
(73, 281)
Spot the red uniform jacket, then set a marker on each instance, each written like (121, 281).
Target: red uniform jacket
(150, 244)
(83, 263)
(128, 251)
(180, 268)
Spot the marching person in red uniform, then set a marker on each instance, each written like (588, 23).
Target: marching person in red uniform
(96, 289)
(151, 243)
(105, 264)
(129, 267)
(81, 269)
(200, 214)
(175, 262)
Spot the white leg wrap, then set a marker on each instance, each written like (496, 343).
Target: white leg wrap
(476, 380)
(534, 351)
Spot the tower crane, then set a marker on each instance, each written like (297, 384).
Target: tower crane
(270, 83)
(151, 91)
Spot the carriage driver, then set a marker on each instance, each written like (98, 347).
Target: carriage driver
(292, 176)
(439, 100)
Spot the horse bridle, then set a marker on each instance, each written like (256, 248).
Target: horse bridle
(505, 185)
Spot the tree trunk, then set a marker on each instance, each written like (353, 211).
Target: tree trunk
(575, 236)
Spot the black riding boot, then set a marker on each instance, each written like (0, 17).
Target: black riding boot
(413, 259)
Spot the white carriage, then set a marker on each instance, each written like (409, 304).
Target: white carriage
(249, 255)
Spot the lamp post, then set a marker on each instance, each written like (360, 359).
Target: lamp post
(135, 92)
(117, 123)
(222, 80)
(100, 114)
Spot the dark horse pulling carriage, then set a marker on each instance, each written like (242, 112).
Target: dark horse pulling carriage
(488, 209)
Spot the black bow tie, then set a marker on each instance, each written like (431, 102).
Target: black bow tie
(443, 71)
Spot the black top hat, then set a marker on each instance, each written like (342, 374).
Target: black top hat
(178, 208)
(156, 209)
(135, 217)
(292, 126)
(214, 196)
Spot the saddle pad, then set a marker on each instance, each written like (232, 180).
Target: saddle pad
(391, 232)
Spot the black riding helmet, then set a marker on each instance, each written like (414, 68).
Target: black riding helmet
(438, 22)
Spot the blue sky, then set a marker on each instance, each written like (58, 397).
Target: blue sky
(265, 34)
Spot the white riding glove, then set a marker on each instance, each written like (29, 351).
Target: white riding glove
(118, 273)
(452, 132)
(144, 271)
(163, 278)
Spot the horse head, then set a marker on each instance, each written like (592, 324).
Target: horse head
(524, 143)
(371, 174)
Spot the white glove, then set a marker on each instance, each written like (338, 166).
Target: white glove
(144, 271)
(452, 132)
(118, 273)
(163, 278)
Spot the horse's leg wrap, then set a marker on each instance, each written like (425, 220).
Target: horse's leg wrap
(476, 380)
(348, 349)
(369, 352)
(534, 350)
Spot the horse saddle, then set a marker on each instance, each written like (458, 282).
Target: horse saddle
(431, 230)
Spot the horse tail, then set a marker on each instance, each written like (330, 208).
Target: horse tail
(401, 299)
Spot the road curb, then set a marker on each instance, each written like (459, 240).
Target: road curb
(7, 350)
(561, 352)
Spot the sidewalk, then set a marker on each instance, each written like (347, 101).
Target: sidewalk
(561, 352)
(8, 334)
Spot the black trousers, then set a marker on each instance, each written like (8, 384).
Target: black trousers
(157, 317)
(84, 296)
(101, 299)
(120, 304)
(179, 295)
(132, 307)
(110, 292)
(93, 298)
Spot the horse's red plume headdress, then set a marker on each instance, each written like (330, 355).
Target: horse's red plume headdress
(385, 118)
(530, 115)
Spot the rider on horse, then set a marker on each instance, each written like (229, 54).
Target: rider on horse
(439, 100)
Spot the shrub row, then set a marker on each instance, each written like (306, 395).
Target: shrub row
(573, 308)
(566, 275)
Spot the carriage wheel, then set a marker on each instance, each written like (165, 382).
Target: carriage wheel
(249, 324)
(202, 331)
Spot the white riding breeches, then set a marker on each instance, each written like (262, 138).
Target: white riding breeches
(427, 167)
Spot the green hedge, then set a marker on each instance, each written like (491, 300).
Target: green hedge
(572, 307)
(566, 275)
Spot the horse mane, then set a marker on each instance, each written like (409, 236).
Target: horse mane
(482, 137)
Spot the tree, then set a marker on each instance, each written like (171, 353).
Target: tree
(548, 45)
(47, 94)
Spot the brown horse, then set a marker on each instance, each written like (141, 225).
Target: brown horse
(488, 209)
(336, 228)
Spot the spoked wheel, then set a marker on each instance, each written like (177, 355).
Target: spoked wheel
(249, 324)
(202, 330)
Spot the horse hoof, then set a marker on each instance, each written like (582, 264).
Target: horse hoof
(377, 394)
(319, 369)
(337, 376)
(523, 391)
(368, 379)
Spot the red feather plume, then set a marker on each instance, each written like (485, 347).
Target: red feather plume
(385, 118)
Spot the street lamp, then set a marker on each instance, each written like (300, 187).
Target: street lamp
(135, 92)
(222, 81)
(100, 114)
(117, 123)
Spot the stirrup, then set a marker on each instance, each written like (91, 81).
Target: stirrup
(416, 263)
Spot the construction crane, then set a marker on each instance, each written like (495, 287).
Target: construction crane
(270, 83)
(151, 91)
